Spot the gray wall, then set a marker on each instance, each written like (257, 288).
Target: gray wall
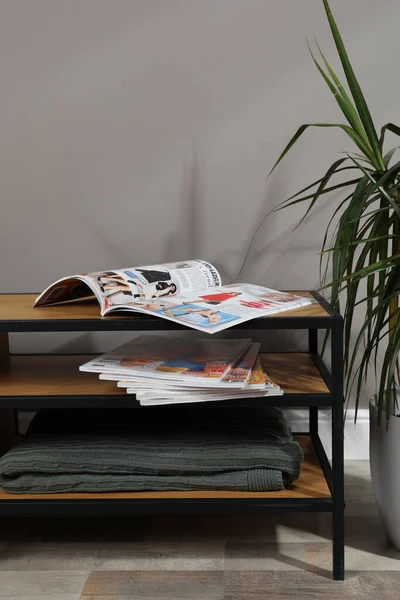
(135, 131)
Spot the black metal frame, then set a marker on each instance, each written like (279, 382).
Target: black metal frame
(334, 474)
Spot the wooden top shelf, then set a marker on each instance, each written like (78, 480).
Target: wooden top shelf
(17, 314)
(55, 376)
(310, 484)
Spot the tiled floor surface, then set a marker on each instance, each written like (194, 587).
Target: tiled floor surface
(202, 558)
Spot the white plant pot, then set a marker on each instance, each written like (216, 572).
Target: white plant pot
(385, 469)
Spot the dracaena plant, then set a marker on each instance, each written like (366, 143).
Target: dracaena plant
(361, 246)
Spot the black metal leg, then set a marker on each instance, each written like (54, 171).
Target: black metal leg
(313, 411)
(337, 450)
(313, 419)
(313, 341)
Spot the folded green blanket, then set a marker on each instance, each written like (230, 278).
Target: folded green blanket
(153, 449)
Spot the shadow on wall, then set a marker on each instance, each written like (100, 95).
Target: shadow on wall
(185, 241)
(297, 243)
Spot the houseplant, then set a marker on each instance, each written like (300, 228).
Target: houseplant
(361, 249)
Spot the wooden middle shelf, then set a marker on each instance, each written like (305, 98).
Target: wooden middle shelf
(310, 484)
(18, 308)
(59, 375)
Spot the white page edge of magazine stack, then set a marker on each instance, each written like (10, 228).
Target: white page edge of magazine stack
(144, 383)
(156, 392)
(194, 393)
(163, 396)
(161, 402)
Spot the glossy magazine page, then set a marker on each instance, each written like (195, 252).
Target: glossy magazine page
(215, 310)
(133, 288)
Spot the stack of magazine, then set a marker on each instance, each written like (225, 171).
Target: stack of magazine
(176, 370)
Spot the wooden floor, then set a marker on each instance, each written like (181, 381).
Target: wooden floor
(201, 558)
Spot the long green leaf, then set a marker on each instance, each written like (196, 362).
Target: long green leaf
(376, 314)
(373, 213)
(376, 267)
(387, 372)
(388, 127)
(387, 158)
(369, 249)
(388, 290)
(378, 185)
(370, 287)
(355, 88)
(352, 134)
(348, 110)
(354, 119)
(317, 182)
(323, 274)
(362, 371)
(375, 239)
(327, 190)
(322, 187)
(347, 233)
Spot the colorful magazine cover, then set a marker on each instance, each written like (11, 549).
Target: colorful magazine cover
(256, 379)
(171, 358)
(240, 372)
(236, 377)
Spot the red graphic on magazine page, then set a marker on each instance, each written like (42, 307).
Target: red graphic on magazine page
(218, 297)
(256, 303)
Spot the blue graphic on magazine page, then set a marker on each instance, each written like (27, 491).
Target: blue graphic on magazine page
(198, 315)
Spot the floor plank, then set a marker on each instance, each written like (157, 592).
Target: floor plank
(42, 597)
(167, 555)
(42, 583)
(293, 585)
(156, 584)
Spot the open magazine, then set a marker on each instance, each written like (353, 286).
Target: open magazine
(188, 292)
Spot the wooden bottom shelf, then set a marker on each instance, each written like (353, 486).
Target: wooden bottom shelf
(310, 484)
